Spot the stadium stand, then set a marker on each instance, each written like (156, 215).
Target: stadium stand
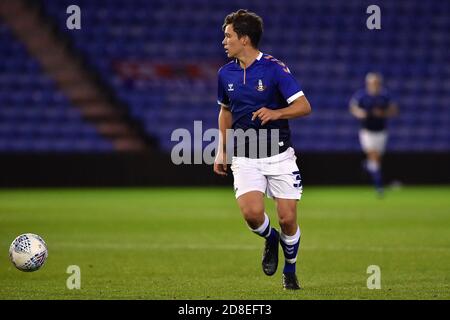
(161, 58)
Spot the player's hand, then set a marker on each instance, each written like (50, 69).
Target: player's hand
(221, 166)
(360, 114)
(378, 112)
(266, 115)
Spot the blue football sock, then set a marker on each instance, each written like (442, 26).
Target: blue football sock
(375, 172)
(272, 235)
(289, 267)
(290, 245)
(265, 230)
(377, 181)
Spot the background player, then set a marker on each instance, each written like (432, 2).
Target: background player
(257, 91)
(373, 105)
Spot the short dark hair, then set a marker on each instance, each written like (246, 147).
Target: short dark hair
(245, 23)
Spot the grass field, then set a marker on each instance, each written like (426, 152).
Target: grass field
(193, 244)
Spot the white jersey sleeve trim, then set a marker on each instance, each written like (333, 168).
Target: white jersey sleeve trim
(295, 96)
(222, 104)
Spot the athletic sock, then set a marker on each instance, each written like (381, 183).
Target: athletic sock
(375, 172)
(265, 230)
(290, 245)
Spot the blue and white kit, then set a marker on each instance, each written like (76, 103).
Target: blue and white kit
(267, 82)
(373, 134)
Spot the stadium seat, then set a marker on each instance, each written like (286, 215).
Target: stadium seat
(329, 50)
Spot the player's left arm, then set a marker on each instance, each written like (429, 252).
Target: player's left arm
(300, 107)
(392, 110)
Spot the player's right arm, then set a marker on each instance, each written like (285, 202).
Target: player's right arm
(225, 122)
(356, 110)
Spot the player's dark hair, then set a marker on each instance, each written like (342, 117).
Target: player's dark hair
(245, 23)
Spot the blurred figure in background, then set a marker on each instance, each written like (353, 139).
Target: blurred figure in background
(373, 105)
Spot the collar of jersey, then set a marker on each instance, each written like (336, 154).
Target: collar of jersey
(258, 58)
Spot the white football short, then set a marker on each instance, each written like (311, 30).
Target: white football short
(373, 140)
(277, 176)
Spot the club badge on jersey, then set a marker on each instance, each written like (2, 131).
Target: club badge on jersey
(260, 86)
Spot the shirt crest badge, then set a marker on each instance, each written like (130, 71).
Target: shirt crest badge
(230, 87)
(260, 86)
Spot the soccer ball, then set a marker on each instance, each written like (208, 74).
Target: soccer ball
(28, 252)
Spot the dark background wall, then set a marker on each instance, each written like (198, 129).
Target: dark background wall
(156, 169)
(96, 106)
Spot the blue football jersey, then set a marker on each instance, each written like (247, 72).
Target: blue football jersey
(267, 82)
(368, 102)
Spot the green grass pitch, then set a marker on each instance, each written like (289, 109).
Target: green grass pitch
(191, 243)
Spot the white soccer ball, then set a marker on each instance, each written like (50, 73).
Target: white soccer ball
(28, 252)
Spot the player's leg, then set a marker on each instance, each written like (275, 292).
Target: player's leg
(250, 186)
(374, 168)
(284, 184)
(289, 239)
(373, 144)
(252, 208)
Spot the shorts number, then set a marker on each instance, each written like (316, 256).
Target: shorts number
(298, 179)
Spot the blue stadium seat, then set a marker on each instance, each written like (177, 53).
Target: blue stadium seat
(329, 50)
(34, 115)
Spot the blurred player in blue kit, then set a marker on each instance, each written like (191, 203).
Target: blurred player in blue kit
(257, 91)
(373, 105)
